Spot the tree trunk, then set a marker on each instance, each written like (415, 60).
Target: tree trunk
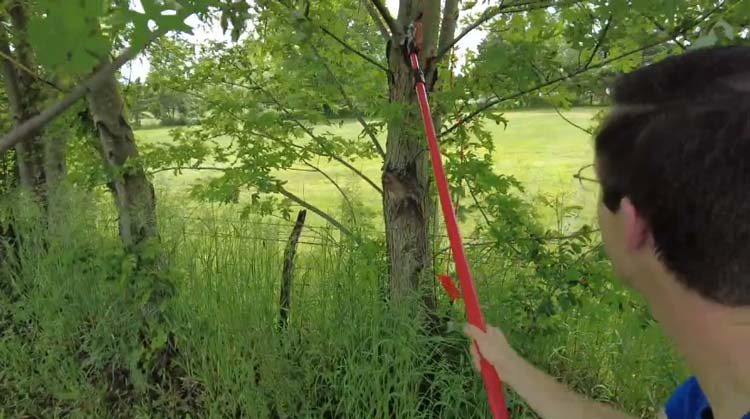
(406, 204)
(8, 243)
(55, 168)
(24, 98)
(55, 146)
(133, 192)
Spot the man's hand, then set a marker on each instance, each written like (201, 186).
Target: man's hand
(548, 398)
(492, 345)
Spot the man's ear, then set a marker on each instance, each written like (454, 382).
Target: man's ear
(637, 230)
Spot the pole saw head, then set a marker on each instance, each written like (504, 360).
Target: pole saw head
(413, 36)
(412, 45)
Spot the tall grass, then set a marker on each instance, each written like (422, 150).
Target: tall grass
(70, 343)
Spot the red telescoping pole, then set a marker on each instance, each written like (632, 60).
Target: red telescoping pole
(492, 383)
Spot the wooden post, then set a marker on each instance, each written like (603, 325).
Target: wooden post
(287, 275)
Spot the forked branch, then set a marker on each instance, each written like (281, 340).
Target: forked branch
(376, 18)
(386, 15)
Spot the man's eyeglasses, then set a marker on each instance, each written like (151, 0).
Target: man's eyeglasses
(586, 176)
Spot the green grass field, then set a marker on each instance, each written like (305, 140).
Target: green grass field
(538, 147)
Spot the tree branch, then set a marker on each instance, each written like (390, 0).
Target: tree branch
(352, 49)
(448, 27)
(341, 41)
(280, 189)
(564, 118)
(235, 84)
(276, 139)
(335, 185)
(294, 198)
(542, 76)
(545, 238)
(664, 30)
(491, 103)
(310, 165)
(499, 10)
(386, 15)
(376, 18)
(599, 41)
(181, 168)
(350, 104)
(5, 55)
(288, 143)
(19, 21)
(12, 89)
(305, 161)
(485, 216)
(484, 17)
(357, 172)
(34, 124)
(479, 206)
(316, 138)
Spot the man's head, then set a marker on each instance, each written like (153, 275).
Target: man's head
(674, 163)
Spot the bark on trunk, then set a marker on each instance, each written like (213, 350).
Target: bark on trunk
(133, 192)
(24, 98)
(406, 180)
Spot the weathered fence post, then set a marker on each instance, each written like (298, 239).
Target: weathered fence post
(287, 274)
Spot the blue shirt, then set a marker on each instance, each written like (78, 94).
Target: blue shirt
(689, 402)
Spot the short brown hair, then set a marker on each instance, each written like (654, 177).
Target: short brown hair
(678, 145)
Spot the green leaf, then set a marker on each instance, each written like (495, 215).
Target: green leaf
(151, 8)
(173, 23)
(707, 40)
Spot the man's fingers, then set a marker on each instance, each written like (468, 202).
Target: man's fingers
(472, 331)
(475, 360)
(477, 337)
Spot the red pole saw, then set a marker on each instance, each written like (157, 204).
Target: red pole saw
(492, 383)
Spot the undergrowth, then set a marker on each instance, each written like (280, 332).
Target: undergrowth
(75, 340)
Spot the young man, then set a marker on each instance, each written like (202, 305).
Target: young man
(673, 160)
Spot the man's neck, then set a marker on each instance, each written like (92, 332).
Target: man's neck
(715, 341)
(723, 371)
